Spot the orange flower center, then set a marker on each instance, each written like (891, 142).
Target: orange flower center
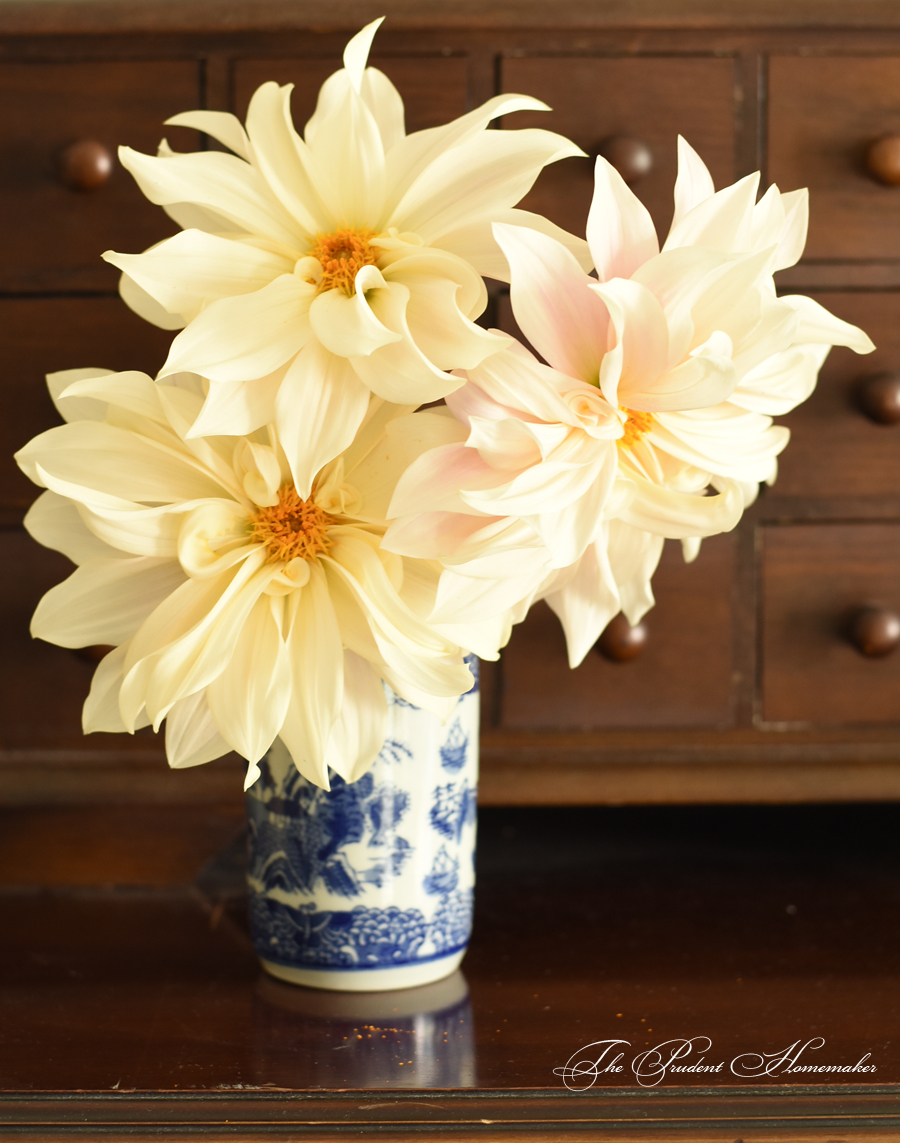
(292, 527)
(636, 425)
(342, 255)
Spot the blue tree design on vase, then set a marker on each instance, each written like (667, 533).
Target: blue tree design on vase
(298, 836)
(452, 808)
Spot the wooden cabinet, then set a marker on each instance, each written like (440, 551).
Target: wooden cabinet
(747, 688)
(824, 115)
(56, 227)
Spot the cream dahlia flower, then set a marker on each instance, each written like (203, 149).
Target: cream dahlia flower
(240, 609)
(663, 374)
(314, 269)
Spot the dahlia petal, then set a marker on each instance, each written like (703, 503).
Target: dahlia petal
(475, 243)
(415, 153)
(400, 372)
(404, 440)
(781, 382)
(98, 391)
(101, 708)
(439, 325)
(356, 53)
(317, 677)
(224, 184)
(347, 325)
(706, 378)
(244, 337)
(191, 269)
(101, 457)
(192, 736)
(722, 221)
(818, 326)
(633, 558)
(568, 530)
(284, 160)
(475, 599)
(554, 305)
(249, 699)
(140, 302)
(350, 167)
(586, 602)
(620, 231)
(675, 515)
(639, 355)
(386, 105)
(319, 406)
(104, 601)
(492, 172)
(238, 408)
(189, 639)
(220, 125)
(693, 184)
(359, 732)
(796, 223)
(432, 483)
(70, 408)
(53, 521)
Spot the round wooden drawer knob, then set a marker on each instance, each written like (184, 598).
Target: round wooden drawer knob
(85, 165)
(879, 397)
(631, 157)
(620, 641)
(875, 631)
(883, 160)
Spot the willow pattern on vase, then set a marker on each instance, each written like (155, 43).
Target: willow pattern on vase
(369, 885)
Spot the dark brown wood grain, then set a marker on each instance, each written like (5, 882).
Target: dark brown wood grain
(824, 114)
(683, 676)
(816, 579)
(54, 234)
(136, 1010)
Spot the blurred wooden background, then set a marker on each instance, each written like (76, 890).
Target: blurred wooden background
(749, 686)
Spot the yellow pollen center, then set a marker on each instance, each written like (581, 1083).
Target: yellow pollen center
(342, 255)
(292, 527)
(636, 425)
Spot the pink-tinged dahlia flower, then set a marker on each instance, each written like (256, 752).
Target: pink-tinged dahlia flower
(315, 269)
(663, 373)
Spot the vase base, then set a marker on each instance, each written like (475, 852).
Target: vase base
(369, 979)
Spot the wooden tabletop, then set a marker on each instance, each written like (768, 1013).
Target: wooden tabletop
(131, 1003)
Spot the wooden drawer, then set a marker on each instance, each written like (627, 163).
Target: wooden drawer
(43, 335)
(44, 686)
(815, 578)
(652, 99)
(53, 236)
(683, 677)
(823, 115)
(835, 449)
(433, 87)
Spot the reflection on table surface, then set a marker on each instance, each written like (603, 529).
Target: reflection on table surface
(754, 927)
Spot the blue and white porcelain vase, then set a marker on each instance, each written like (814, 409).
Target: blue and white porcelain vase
(369, 885)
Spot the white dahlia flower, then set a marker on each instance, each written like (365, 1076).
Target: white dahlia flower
(240, 609)
(314, 269)
(663, 374)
